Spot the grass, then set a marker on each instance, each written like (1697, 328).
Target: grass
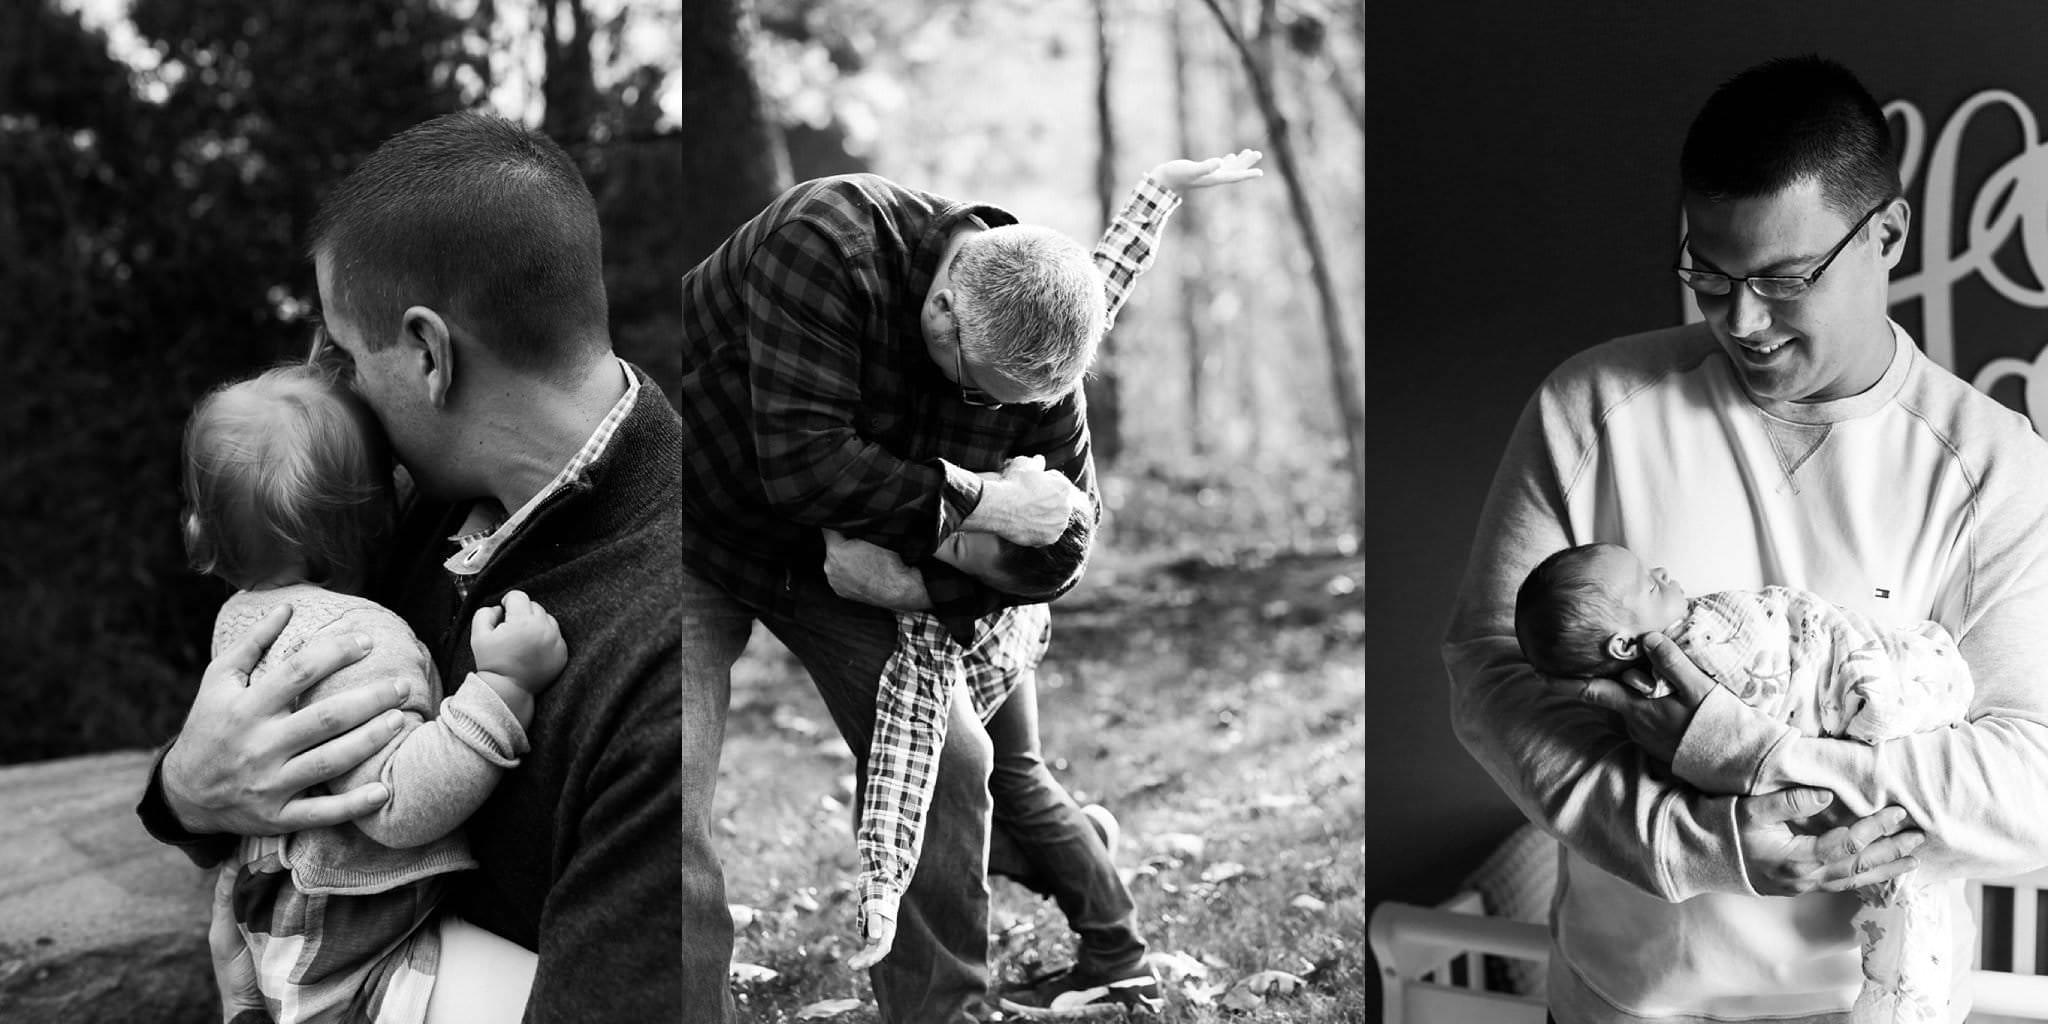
(1216, 705)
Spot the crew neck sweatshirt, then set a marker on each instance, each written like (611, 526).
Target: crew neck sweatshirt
(1920, 498)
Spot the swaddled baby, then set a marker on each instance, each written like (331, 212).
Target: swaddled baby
(1818, 667)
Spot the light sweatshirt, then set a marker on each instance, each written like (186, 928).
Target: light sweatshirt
(1921, 498)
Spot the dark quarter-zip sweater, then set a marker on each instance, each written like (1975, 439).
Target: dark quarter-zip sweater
(580, 846)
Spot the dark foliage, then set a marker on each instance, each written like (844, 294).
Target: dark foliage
(152, 231)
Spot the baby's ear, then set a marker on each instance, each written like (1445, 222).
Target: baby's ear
(1623, 647)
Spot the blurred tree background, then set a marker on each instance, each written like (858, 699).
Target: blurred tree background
(160, 159)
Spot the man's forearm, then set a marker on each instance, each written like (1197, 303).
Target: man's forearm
(1565, 763)
(1567, 767)
(160, 820)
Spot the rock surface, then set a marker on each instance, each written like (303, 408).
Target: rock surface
(98, 922)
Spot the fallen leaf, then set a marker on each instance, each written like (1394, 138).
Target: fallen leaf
(1273, 984)
(1239, 999)
(803, 900)
(752, 974)
(827, 1009)
(1222, 871)
(1200, 993)
(1308, 903)
(1180, 844)
(1176, 966)
(743, 916)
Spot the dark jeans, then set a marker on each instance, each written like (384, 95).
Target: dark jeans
(1044, 843)
(937, 971)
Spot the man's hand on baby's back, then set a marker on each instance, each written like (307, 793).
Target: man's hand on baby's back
(244, 759)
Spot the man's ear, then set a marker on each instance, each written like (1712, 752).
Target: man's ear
(425, 333)
(1893, 225)
(1623, 647)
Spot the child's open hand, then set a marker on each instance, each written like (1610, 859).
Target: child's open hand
(881, 934)
(1182, 175)
(520, 641)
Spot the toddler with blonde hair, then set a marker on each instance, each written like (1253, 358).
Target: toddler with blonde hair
(289, 496)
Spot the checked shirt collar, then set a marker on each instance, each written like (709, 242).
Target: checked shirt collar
(486, 527)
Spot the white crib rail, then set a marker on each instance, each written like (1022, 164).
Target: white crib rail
(1416, 945)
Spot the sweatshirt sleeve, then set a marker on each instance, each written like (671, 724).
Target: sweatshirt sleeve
(1567, 765)
(1979, 790)
(439, 770)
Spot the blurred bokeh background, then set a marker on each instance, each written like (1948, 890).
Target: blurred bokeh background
(160, 159)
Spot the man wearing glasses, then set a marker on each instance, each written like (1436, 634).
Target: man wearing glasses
(857, 354)
(1796, 437)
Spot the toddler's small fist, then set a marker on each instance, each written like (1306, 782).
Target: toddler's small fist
(520, 640)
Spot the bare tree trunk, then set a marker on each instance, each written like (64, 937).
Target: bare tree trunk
(568, 86)
(734, 162)
(1194, 257)
(1105, 412)
(1347, 381)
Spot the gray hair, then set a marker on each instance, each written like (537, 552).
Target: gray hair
(1031, 304)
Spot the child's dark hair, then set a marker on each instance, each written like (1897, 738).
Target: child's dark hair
(1564, 615)
(1044, 572)
(287, 466)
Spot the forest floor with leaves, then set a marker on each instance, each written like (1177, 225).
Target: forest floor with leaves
(1215, 703)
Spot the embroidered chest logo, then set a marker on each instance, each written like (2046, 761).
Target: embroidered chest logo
(1882, 592)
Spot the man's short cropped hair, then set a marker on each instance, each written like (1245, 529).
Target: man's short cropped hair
(1788, 120)
(480, 219)
(1564, 615)
(1031, 304)
(1044, 572)
(286, 466)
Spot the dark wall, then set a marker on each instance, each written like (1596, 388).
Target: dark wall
(1522, 201)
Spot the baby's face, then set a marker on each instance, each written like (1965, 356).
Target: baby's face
(1652, 597)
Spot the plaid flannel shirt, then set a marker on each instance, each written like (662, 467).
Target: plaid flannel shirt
(918, 688)
(810, 399)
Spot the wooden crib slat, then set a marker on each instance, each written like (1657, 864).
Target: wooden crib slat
(1974, 893)
(1975, 896)
(2023, 904)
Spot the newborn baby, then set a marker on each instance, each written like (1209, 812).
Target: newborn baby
(1823, 669)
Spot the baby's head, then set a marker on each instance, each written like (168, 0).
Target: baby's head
(1583, 610)
(287, 478)
(1017, 569)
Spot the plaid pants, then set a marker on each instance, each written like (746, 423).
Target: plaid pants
(327, 957)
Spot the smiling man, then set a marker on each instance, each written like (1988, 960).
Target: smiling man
(1797, 437)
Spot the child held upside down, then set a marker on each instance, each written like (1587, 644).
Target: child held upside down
(1822, 669)
(928, 670)
(288, 488)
